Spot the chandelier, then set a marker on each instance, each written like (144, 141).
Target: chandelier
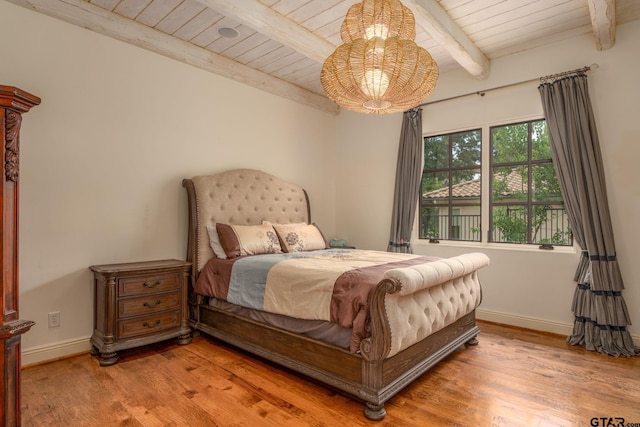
(378, 68)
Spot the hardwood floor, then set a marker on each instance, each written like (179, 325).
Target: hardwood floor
(514, 377)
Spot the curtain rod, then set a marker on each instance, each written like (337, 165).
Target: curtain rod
(539, 79)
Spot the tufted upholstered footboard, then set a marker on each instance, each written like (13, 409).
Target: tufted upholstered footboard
(406, 337)
(430, 296)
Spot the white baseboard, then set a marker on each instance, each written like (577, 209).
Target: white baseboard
(532, 323)
(51, 352)
(48, 353)
(524, 321)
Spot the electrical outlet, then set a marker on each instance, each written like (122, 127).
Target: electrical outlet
(54, 319)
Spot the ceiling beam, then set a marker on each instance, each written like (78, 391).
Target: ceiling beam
(94, 18)
(275, 26)
(429, 15)
(440, 26)
(603, 22)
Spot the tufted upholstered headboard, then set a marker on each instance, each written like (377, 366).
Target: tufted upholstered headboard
(239, 197)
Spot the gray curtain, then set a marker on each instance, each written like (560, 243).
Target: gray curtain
(601, 316)
(408, 180)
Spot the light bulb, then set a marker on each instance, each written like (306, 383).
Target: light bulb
(375, 83)
(376, 30)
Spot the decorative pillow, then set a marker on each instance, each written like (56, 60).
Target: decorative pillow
(214, 242)
(300, 237)
(239, 240)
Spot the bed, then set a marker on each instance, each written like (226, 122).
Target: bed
(413, 312)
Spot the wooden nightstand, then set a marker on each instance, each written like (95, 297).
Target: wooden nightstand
(139, 303)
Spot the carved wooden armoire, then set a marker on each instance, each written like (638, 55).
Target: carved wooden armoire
(13, 103)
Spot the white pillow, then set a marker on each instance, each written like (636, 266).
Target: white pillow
(214, 242)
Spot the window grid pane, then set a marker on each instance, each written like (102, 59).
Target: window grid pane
(451, 187)
(526, 204)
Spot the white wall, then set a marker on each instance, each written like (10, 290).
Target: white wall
(526, 287)
(103, 157)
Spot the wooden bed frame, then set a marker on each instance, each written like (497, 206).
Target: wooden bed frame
(371, 375)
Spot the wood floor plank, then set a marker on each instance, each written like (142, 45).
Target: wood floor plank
(283, 390)
(514, 377)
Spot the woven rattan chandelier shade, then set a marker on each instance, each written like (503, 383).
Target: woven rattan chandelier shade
(379, 68)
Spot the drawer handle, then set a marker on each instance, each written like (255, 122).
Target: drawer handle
(151, 285)
(153, 304)
(148, 325)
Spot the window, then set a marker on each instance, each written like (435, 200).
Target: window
(526, 205)
(450, 201)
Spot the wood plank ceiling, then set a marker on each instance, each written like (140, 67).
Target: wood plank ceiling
(280, 45)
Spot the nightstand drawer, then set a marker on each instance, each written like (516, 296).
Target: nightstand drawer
(148, 324)
(131, 286)
(148, 304)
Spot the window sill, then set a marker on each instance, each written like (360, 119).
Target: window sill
(497, 246)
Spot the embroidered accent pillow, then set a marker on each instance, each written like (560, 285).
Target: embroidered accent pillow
(240, 240)
(300, 237)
